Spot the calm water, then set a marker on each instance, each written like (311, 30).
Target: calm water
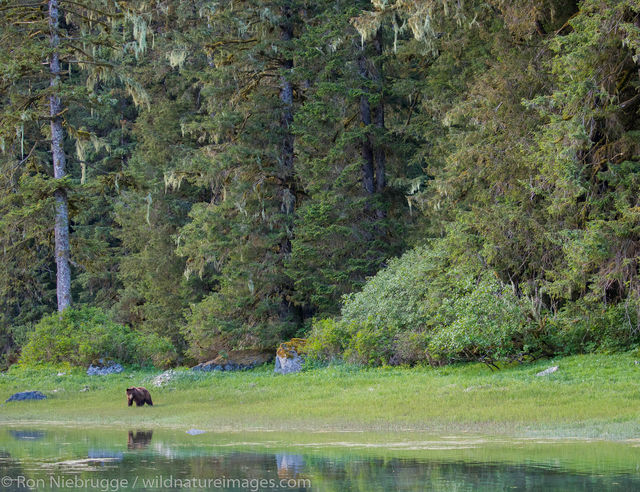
(146, 459)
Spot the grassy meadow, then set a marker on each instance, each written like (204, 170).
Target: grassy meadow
(590, 396)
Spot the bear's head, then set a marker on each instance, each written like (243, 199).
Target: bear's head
(130, 393)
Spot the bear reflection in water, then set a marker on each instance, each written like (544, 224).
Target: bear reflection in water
(139, 440)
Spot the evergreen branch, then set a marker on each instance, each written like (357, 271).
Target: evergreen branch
(16, 245)
(55, 116)
(345, 124)
(38, 21)
(31, 100)
(411, 108)
(219, 44)
(97, 21)
(23, 6)
(20, 163)
(81, 50)
(253, 83)
(567, 24)
(90, 62)
(92, 9)
(241, 129)
(630, 101)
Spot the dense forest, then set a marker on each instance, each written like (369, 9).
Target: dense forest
(400, 181)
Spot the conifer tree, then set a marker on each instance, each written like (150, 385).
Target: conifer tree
(150, 208)
(84, 36)
(241, 236)
(352, 220)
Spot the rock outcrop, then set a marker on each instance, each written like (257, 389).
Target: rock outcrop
(546, 372)
(27, 395)
(103, 368)
(289, 356)
(164, 378)
(235, 360)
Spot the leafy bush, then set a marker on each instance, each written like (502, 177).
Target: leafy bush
(12, 338)
(399, 295)
(370, 345)
(432, 304)
(409, 347)
(489, 323)
(438, 303)
(327, 340)
(486, 323)
(582, 326)
(82, 336)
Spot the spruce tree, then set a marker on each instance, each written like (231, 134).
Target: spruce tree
(85, 37)
(241, 235)
(352, 220)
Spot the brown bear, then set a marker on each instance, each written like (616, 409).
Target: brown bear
(140, 395)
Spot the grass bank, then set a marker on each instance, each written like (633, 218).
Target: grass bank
(590, 396)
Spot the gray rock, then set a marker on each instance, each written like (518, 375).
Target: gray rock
(212, 366)
(289, 356)
(103, 369)
(546, 372)
(27, 395)
(195, 432)
(287, 365)
(163, 378)
(206, 367)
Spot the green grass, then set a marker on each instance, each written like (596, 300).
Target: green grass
(590, 396)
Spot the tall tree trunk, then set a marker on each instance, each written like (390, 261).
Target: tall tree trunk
(373, 152)
(286, 96)
(365, 118)
(63, 275)
(379, 152)
(380, 156)
(288, 191)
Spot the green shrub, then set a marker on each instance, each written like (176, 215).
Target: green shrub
(371, 345)
(327, 340)
(437, 303)
(398, 296)
(489, 323)
(432, 304)
(581, 327)
(82, 336)
(410, 348)
(12, 338)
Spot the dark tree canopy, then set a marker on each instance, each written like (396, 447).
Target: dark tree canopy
(229, 175)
